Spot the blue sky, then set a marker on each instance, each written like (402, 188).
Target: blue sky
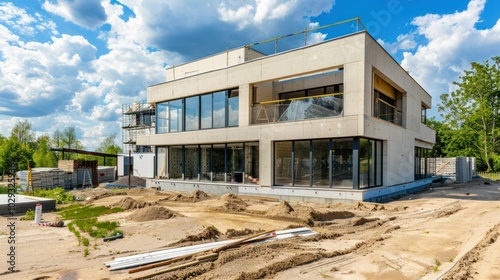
(75, 62)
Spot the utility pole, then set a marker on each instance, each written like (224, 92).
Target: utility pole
(129, 165)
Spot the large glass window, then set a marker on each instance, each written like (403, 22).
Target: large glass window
(283, 163)
(176, 114)
(330, 162)
(175, 162)
(251, 163)
(342, 162)
(161, 162)
(193, 113)
(206, 162)
(162, 117)
(233, 107)
(235, 161)
(219, 109)
(370, 172)
(218, 162)
(191, 162)
(302, 161)
(320, 162)
(206, 111)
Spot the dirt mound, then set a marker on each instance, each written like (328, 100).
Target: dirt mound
(209, 233)
(134, 181)
(130, 203)
(363, 220)
(195, 196)
(233, 203)
(282, 209)
(152, 213)
(200, 195)
(233, 232)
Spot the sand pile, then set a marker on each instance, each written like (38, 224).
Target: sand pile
(233, 202)
(130, 203)
(192, 197)
(304, 214)
(153, 213)
(134, 181)
(282, 209)
(209, 233)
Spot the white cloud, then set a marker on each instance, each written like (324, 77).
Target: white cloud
(86, 13)
(403, 42)
(453, 42)
(16, 18)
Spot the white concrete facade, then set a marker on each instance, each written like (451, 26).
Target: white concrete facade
(361, 62)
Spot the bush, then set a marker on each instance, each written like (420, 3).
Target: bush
(59, 194)
(30, 216)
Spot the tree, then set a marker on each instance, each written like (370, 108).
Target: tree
(69, 139)
(56, 140)
(43, 156)
(22, 132)
(109, 146)
(11, 150)
(471, 113)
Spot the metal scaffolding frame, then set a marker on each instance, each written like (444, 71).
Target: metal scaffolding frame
(138, 118)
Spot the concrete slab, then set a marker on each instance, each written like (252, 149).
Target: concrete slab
(22, 203)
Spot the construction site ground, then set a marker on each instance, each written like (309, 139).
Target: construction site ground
(445, 232)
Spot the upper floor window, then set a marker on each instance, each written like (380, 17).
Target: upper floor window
(213, 110)
(387, 102)
(424, 114)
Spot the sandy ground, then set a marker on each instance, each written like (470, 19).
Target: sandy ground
(445, 232)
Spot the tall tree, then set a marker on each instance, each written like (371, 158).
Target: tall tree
(43, 156)
(22, 132)
(471, 112)
(12, 151)
(108, 145)
(56, 140)
(69, 139)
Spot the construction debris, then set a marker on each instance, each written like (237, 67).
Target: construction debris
(188, 251)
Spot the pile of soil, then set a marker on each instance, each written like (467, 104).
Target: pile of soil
(234, 232)
(195, 196)
(233, 203)
(210, 233)
(134, 181)
(153, 213)
(130, 203)
(304, 214)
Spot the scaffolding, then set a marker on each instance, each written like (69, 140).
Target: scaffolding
(138, 118)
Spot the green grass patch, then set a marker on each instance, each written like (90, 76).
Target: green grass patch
(95, 228)
(78, 211)
(30, 216)
(58, 194)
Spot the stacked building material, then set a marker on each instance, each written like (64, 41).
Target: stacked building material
(106, 174)
(48, 178)
(75, 165)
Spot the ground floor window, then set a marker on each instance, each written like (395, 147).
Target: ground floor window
(326, 163)
(425, 165)
(227, 162)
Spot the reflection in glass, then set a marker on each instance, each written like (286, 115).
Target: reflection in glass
(162, 117)
(302, 162)
(176, 113)
(342, 162)
(321, 172)
(192, 113)
(233, 107)
(206, 111)
(283, 163)
(219, 109)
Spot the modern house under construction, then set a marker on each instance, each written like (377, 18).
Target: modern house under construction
(339, 120)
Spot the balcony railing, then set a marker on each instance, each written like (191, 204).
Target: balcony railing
(296, 109)
(388, 112)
